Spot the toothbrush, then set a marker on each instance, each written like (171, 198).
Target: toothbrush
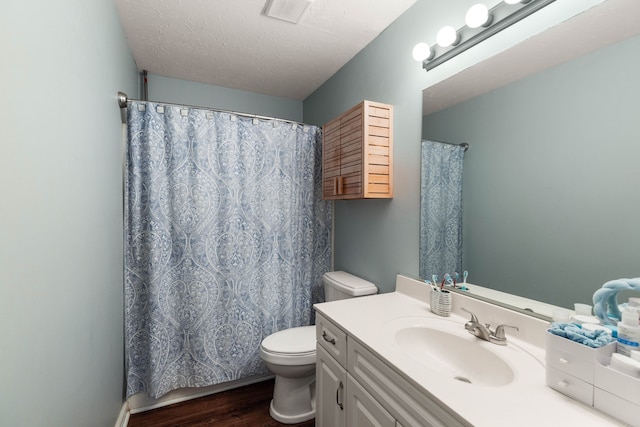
(432, 285)
(448, 279)
(465, 274)
(444, 280)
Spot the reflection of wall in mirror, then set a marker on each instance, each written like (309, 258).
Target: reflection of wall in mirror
(551, 200)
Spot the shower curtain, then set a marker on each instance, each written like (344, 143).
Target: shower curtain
(226, 240)
(441, 209)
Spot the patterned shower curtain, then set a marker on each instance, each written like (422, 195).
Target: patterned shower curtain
(441, 209)
(226, 240)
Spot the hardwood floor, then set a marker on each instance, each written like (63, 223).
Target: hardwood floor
(243, 407)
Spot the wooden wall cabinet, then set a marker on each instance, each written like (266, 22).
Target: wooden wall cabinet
(357, 153)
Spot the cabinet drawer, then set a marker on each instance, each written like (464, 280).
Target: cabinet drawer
(571, 364)
(332, 339)
(570, 385)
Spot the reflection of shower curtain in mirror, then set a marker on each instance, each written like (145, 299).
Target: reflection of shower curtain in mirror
(441, 209)
(226, 240)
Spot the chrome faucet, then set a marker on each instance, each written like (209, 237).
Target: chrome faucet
(484, 331)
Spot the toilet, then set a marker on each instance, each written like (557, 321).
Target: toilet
(290, 354)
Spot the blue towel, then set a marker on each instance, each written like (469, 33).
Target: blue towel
(594, 339)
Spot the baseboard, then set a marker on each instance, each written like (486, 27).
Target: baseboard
(141, 402)
(123, 416)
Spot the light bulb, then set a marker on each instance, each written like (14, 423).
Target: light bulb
(477, 16)
(422, 51)
(447, 36)
(512, 1)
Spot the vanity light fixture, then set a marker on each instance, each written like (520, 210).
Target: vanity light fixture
(481, 23)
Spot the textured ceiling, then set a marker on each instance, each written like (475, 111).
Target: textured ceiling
(230, 43)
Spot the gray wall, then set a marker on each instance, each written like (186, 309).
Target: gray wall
(191, 93)
(376, 239)
(61, 231)
(551, 197)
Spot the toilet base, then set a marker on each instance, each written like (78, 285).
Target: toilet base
(289, 419)
(294, 399)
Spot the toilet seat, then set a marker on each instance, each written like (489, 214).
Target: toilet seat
(294, 346)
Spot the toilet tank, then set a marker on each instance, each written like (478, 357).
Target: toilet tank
(342, 285)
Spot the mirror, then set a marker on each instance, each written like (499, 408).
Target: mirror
(551, 198)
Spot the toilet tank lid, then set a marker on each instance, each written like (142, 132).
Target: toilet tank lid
(350, 284)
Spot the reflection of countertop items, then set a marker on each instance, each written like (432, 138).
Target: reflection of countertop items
(582, 319)
(514, 402)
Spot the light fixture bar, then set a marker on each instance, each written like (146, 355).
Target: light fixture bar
(481, 34)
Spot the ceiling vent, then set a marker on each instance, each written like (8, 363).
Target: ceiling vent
(287, 10)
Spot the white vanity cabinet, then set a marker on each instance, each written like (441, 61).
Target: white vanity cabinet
(355, 388)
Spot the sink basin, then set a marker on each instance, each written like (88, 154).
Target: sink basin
(447, 349)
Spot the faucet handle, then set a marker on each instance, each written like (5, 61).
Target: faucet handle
(499, 333)
(474, 318)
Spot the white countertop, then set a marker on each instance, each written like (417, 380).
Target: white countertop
(527, 401)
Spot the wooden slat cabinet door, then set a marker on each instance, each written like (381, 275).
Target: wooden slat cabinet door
(378, 156)
(330, 159)
(358, 153)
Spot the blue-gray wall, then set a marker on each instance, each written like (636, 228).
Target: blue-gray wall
(376, 239)
(191, 93)
(61, 302)
(551, 199)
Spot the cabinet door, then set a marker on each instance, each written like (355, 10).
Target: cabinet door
(331, 160)
(363, 410)
(351, 153)
(331, 382)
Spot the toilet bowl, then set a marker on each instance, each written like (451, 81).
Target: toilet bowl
(290, 355)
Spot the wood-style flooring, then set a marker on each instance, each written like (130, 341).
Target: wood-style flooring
(242, 407)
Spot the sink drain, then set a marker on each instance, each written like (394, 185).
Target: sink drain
(463, 379)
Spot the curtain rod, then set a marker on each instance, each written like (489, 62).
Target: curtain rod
(123, 99)
(463, 145)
